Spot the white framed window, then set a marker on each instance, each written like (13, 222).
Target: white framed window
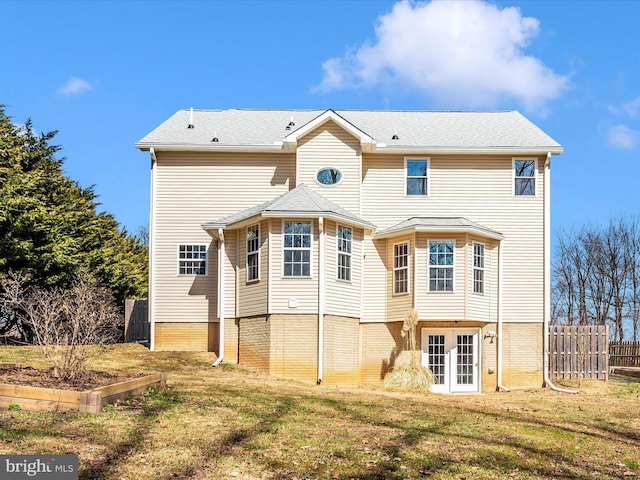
(524, 176)
(253, 253)
(417, 176)
(328, 176)
(401, 257)
(192, 259)
(345, 239)
(478, 268)
(441, 263)
(297, 249)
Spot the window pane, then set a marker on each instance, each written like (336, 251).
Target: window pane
(525, 186)
(416, 168)
(525, 168)
(416, 186)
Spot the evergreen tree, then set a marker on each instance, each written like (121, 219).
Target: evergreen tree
(50, 228)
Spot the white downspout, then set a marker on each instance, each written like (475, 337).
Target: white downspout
(220, 298)
(321, 296)
(547, 274)
(499, 367)
(152, 256)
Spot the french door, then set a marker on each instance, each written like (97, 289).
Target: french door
(453, 357)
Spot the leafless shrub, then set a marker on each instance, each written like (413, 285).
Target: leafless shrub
(65, 323)
(410, 376)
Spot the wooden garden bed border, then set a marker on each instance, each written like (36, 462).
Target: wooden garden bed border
(91, 401)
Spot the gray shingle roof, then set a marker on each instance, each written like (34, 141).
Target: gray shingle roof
(239, 128)
(440, 224)
(300, 202)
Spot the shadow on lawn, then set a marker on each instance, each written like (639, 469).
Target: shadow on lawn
(154, 403)
(404, 452)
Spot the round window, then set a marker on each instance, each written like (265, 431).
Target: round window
(329, 176)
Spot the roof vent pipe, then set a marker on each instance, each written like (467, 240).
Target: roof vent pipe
(190, 118)
(395, 135)
(215, 137)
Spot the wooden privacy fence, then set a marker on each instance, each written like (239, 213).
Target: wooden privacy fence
(136, 321)
(624, 354)
(579, 351)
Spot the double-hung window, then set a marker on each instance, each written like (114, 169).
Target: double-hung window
(253, 253)
(401, 268)
(297, 249)
(524, 177)
(441, 265)
(478, 268)
(345, 238)
(192, 259)
(417, 175)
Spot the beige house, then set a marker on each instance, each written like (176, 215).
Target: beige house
(295, 241)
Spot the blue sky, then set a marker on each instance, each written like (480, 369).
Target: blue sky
(106, 73)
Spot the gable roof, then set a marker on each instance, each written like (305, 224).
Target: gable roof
(440, 225)
(238, 129)
(301, 202)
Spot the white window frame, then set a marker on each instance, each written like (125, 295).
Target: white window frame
(407, 177)
(328, 185)
(191, 258)
(534, 177)
(344, 254)
(451, 267)
(481, 269)
(255, 252)
(297, 249)
(406, 267)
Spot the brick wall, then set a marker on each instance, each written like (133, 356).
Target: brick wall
(198, 337)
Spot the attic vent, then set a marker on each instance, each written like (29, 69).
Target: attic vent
(290, 124)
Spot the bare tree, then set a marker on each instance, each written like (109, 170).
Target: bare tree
(65, 324)
(597, 277)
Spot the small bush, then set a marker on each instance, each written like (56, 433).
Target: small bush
(65, 324)
(411, 376)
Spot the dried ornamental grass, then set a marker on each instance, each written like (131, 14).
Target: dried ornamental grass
(411, 376)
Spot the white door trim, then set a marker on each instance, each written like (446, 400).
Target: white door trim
(447, 354)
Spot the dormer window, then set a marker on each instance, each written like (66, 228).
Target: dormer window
(328, 176)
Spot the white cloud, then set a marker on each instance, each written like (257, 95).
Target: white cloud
(632, 108)
(459, 53)
(623, 137)
(75, 86)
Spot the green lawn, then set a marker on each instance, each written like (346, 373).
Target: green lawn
(230, 422)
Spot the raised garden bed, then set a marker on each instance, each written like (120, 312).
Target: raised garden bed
(56, 399)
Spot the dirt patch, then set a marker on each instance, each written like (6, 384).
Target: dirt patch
(36, 377)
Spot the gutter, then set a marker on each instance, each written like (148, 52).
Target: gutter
(321, 296)
(547, 275)
(220, 298)
(499, 353)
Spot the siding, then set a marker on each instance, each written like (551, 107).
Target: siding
(283, 289)
(397, 305)
(440, 305)
(343, 298)
(483, 306)
(194, 188)
(481, 190)
(374, 288)
(252, 296)
(331, 146)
